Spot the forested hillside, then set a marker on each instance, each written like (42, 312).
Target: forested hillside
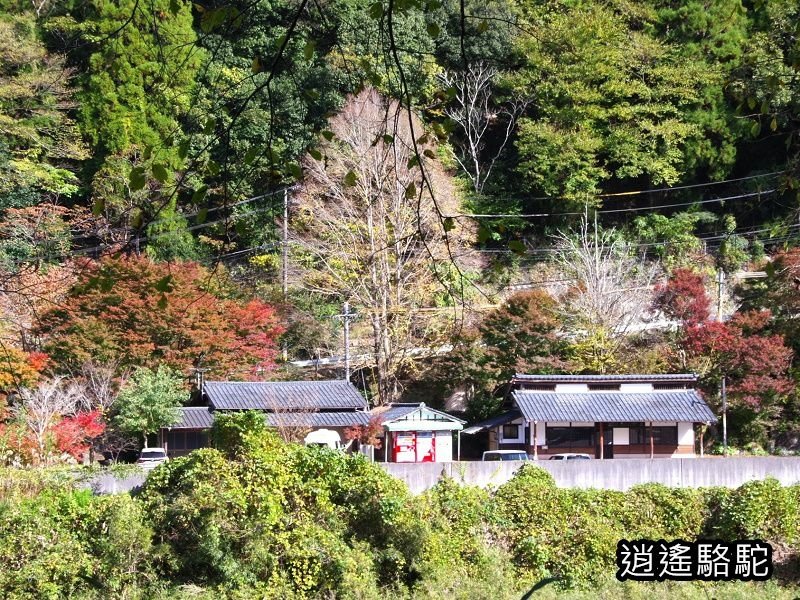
(515, 185)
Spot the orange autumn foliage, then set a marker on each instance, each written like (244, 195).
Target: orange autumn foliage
(137, 312)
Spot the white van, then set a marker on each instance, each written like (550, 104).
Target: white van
(324, 438)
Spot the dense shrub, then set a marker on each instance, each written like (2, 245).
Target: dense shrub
(654, 511)
(64, 544)
(284, 521)
(760, 509)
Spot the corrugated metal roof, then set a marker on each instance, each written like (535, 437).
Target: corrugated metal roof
(400, 411)
(318, 419)
(194, 417)
(609, 378)
(613, 407)
(502, 419)
(283, 395)
(396, 411)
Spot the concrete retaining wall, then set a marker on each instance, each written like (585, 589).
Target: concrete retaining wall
(109, 484)
(608, 474)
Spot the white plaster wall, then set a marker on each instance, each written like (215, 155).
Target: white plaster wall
(540, 434)
(571, 388)
(685, 434)
(636, 387)
(622, 436)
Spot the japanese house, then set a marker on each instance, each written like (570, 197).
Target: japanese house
(417, 433)
(605, 416)
(311, 405)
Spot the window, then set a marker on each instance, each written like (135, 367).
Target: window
(176, 439)
(510, 432)
(570, 437)
(196, 439)
(662, 435)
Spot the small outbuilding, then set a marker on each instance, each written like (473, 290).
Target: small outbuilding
(416, 433)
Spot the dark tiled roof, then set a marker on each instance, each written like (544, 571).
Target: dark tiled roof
(644, 378)
(319, 419)
(194, 417)
(502, 419)
(613, 407)
(283, 395)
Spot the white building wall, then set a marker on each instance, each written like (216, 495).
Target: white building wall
(636, 387)
(540, 434)
(686, 434)
(622, 436)
(444, 446)
(571, 388)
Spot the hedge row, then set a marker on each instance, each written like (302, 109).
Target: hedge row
(269, 520)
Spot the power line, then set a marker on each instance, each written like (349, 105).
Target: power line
(646, 208)
(102, 247)
(658, 190)
(608, 211)
(690, 186)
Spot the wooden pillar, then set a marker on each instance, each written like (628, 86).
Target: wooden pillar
(602, 442)
(652, 446)
(702, 431)
(458, 456)
(387, 440)
(535, 441)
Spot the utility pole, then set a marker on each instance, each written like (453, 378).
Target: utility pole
(720, 277)
(346, 316)
(285, 258)
(724, 419)
(285, 244)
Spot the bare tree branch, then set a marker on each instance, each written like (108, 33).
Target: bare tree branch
(475, 113)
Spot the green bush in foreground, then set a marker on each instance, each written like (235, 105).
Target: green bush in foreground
(284, 521)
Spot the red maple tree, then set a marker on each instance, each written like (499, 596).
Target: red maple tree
(683, 297)
(133, 311)
(754, 361)
(73, 434)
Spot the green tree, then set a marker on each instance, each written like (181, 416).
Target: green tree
(765, 84)
(149, 401)
(40, 145)
(138, 65)
(521, 336)
(611, 100)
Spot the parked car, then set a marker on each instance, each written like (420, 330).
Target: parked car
(570, 456)
(150, 458)
(505, 455)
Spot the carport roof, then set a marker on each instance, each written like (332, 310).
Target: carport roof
(501, 419)
(613, 407)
